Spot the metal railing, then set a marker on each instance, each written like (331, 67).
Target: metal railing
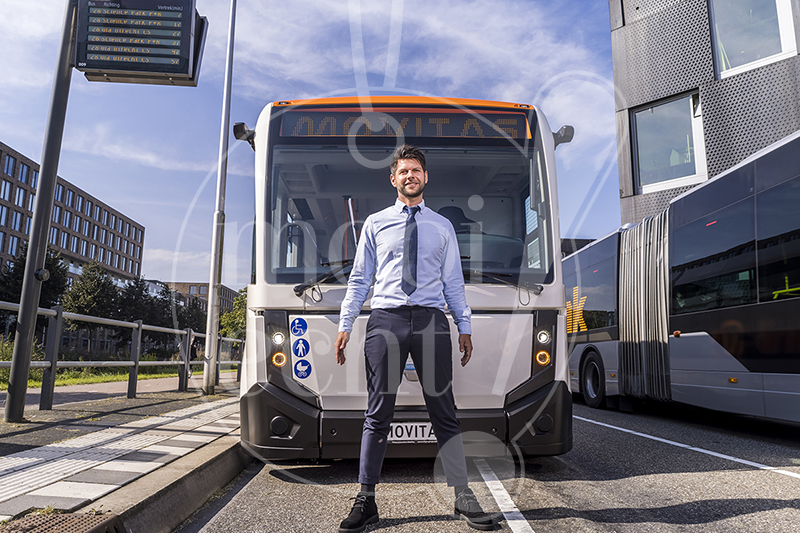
(55, 326)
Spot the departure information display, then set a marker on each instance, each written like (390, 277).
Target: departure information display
(154, 37)
(413, 123)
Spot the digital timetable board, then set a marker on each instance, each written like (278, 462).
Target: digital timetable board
(140, 41)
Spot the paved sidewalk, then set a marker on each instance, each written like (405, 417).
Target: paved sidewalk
(78, 452)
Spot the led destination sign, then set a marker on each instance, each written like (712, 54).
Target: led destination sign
(489, 125)
(144, 41)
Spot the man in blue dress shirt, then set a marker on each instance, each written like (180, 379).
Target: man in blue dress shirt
(413, 254)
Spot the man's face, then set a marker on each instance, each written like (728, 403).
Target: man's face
(409, 179)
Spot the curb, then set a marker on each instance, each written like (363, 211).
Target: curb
(162, 500)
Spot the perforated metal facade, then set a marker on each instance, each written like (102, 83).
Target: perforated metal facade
(663, 48)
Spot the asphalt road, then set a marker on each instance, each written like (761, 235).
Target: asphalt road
(660, 468)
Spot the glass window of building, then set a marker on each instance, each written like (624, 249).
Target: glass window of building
(751, 33)
(124, 247)
(2, 240)
(3, 215)
(76, 223)
(124, 264)
(13, 245)
(8, 168)
(5, 191)
(88, 211)
(113, 221)
(139, 236)
(56, 213)
(59, 192)
(86, 227)
(70, 197)
(64, 239)
(35, 179)
(19, 198)
(28, 225)
(16, 220)
(105, 217)
(100, 254)
(103, 236)
(31, 202)
(79, 203)
(136, 269)
(93, 251)
(94, 232)
(74, 245)
(119, 245)
(54, 236)
(127, 229)
(203, 289)
(669, 146)
(97, 213)
(192, 289)
(67, 218)
(83, 247)
(24, 172)
(119, 226)
(116, 261)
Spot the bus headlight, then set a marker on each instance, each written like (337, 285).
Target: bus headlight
(543, 336)
(278, 338)
(543, 358)
(279, 359)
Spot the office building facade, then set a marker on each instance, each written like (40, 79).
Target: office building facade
(82, 227)
(701, 85)
(199, 291)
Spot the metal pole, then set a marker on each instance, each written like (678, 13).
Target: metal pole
(218, 230)
(136, 353)
(186, 355)
(55, 325)
(35, 272)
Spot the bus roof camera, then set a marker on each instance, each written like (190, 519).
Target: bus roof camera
(243, 133)
(563, 135)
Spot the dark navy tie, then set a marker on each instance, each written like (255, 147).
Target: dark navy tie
(409, 282)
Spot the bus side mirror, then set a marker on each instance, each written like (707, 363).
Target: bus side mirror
(243, 133)
(563, 135)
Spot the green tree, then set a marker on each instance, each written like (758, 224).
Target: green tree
(135, 302)
(192, 315)
(234, 323)
(52, 289)
(93, 294)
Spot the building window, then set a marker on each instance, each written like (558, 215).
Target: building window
(5, 191)
(24, 171)
(192, 289)
(73, 247)
(97, 213)
(139, 236)
(203, 289)
(116, 261)
(16, 220)
(105, 217)
(13, 245)
(124, 247)
(76, 223)
(56, 213)
(19, 199)
(59, 192)
(751, 33)
(119, 245)
(9, 167)
(35, 179)
(54, 236)
(64, 239)
(100, 253)
(70, 197)
(79, 203)
(31, 202)
(28, 225)
(83, 248)
(136, 269)
(669, 146)
(88, 208)
(113, 221)
(138, 252)
(119, 226)
(2, 239)
(67, 218)
(124, 264)
(86, 228)
(93, 251)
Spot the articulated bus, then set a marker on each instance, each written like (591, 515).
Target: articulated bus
(321, 167)
(700, 304)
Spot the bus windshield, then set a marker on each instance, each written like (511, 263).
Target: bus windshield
(320, 196)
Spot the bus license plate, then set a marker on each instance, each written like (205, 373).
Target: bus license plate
(411, 432)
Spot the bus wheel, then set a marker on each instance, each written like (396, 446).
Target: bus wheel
(593, 383)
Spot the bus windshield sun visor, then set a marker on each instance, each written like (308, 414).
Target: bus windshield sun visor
(505, 278)
(324, 276)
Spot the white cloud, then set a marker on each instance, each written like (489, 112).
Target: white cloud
(29, 37)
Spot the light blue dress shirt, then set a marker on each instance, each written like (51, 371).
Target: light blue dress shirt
(380, 253)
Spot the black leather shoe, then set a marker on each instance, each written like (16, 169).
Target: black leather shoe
(468, 508)
(364, 512)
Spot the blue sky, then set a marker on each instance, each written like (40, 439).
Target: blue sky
(151, 151)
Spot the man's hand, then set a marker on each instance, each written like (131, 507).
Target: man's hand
(341, 342)
(464, 346)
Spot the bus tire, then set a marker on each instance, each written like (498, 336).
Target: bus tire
(593, 382)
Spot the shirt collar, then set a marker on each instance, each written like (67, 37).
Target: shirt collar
(398, 206)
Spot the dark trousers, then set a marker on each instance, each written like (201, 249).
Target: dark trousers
(391, 335)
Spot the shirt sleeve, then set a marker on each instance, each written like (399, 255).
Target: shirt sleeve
(360, 279)
(453, 283)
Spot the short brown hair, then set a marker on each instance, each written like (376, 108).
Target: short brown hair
(407, 151)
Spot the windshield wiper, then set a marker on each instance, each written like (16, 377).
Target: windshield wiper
(506, 279)
(323, 277)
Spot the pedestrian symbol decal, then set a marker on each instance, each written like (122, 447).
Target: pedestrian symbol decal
(302, 369)
(299, 327)
(300, 348)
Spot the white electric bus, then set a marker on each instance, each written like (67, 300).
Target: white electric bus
(321, 167)
(700, 304)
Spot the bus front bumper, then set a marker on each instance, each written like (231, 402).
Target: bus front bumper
(277, 425)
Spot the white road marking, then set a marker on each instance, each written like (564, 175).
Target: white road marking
(514, 518)
(694, 448)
